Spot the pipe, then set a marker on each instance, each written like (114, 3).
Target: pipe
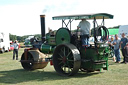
(42, 18)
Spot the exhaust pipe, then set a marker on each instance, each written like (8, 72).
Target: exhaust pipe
(42, 18)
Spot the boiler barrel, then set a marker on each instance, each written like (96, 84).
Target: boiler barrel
(46, 48)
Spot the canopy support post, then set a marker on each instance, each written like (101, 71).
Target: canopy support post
(94, 24)
(66, 24)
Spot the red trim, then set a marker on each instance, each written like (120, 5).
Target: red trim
(51, 63)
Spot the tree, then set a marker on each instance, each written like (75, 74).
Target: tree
(22, 38)
(12, 37)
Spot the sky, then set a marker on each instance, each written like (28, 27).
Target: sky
(22, 17)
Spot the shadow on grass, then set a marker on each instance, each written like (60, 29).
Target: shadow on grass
(86, 74)
(20, 75)
(111, 62)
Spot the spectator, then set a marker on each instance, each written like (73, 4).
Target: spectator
(126, 54)
(112, 46)
(116, 44)
(85, 31)
(15, 51)
(124, 40)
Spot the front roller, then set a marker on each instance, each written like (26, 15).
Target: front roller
(33, 59)
(66, 59)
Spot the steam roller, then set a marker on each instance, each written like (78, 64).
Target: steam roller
(68, 55)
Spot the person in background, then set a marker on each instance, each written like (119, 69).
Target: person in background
(116, 44)
(15, 51)
(123, 42)
(112, 46)
(126, 54)
(84, 26)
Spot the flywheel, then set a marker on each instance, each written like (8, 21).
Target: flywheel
(63, 35)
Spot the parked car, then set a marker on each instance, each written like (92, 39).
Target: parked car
(11, 48)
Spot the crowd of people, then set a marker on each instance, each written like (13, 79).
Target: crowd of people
(119, 44)
(115, 44)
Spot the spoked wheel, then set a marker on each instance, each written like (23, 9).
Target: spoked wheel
(66, 59)
(27, 65)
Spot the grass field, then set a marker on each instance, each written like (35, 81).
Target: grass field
(12, 73)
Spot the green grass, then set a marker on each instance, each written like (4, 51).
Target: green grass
(21, 44)
(12, 73)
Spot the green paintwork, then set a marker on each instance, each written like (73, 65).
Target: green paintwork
(63, 36)
(84, 16)
(47, 48)
(91, 55)
(49, 45)
(50, 39)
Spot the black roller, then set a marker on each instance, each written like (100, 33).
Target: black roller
(27, 65)
(33, 59)
(66, 59)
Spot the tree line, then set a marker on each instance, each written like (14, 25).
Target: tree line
(22, 38)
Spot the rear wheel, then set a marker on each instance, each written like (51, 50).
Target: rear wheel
(66, 59)
(2, 50)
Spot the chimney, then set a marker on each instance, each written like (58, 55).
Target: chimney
(42, 18)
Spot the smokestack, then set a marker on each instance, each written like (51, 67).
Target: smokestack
(42, 18)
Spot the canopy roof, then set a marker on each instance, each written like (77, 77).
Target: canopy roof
(84, 16)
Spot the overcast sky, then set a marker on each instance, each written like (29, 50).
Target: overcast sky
(22, 17)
